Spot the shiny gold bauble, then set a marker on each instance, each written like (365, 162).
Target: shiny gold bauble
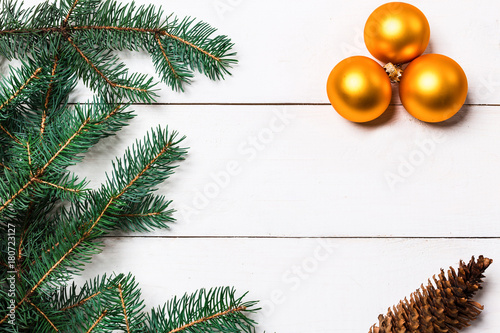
(433, 88)
(397, 32)
(359, 89)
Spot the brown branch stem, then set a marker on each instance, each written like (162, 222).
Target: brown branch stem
(4, 166)
(35, 73)
(13, 197)
(69, 13)
(83, 301)
(97, 321)
(29, 155)
(88, 232)
(47, 97)
(57, 186)
(111, 114)
(101, 74)
(123, 306)
(44, 315)
(10, 135)
(165, 56)
(137, 215)
(220, 314)
(66, 29)
(23, 234)
(42, 170)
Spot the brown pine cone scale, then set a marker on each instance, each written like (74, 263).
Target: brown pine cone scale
(445, 305)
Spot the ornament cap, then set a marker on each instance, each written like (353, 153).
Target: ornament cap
(394, 72)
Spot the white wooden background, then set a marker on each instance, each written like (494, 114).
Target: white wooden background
(283, 197)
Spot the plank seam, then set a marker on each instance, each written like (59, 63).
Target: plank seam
(260, 104)
(306, 237)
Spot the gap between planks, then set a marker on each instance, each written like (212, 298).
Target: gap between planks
(263, 104)
(303, 237)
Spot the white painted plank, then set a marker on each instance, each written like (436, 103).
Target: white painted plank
(305, 171)
(304, 285)
(287, 48)
(318, 175)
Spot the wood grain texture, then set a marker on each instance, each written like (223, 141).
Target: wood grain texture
(305, 285)
(305, 171)
(262, 179)
(286, 49)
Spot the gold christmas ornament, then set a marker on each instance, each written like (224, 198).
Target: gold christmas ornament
(359, 89)
(433, 88)
(396, 32)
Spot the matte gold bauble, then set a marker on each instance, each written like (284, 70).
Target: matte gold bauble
(433, 88)
(397, 32)
(359, 89)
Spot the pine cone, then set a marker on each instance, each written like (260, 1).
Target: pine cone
(445, 306)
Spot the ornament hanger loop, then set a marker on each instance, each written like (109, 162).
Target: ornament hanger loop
(394, 72)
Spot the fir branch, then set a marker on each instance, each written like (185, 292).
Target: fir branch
(64, 145)
(163, 150)
(47, 97)
(80, 303)
(15, 195)
(161, 137)
(201, 320)
(119, 295)
(41, 136)
(156, 154)
(149, 213)
(15, 91)
(16, 140)
(214, 310)
(18, 91)
(33, 224)
(4, 166)
(40, 172)
(124, 307)
(97, 321)
(91, 119)
(49, 102)
(187, 44)
(43, 315)
(20, 248)
(94, 67)
(197, 48)
(69, 13)
(157, 31)
(111, 114)
(7, 315)
(73, 240)
(137, 215)
(133, 29)
(102, 71)
(51, 269)
(58, 186)
(176, 76)
(28, 150)
(22, 236)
